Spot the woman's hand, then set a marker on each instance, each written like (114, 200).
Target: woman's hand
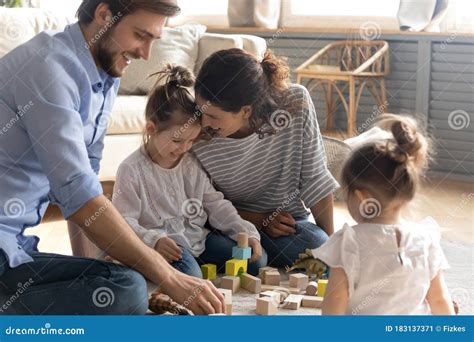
(168, 249)
(256, 249)
(282, 225)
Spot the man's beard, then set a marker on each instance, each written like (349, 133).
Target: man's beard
(105, 55)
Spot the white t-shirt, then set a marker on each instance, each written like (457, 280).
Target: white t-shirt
(176, 203)
(385, 279)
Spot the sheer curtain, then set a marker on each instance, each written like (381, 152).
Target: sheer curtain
(414, 15)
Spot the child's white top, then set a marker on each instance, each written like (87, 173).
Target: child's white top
(384, 279)
(159, 202)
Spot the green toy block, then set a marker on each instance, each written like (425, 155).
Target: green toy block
(241, 253)
(209, 271)
(235, 267)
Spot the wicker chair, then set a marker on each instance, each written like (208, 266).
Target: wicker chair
(352, 65)
(337, 153)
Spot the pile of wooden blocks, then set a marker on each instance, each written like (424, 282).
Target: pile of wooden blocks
(269, 302)
(272, 296)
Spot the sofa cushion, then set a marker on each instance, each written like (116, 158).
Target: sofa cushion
(18, 25)
(128, 115)
(178, 45)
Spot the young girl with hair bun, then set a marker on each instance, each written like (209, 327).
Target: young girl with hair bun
(385, 265)
(167, 198)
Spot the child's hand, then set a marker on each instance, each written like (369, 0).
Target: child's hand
(168, 249)
(256, 249)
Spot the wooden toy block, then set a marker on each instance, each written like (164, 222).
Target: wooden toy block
(312, 288)
(266, 306)
(242, 253)
(250, 283)
(276, 296)
(230, 283)
(312, 301)
(299, 280)
(271, 278)
(209, 271)
(262, 270)
(294, 290)
(293, 302)
(235, 267)
(322, 285)
(242, 240)
(227, 300)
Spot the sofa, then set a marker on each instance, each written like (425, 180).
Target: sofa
(188, 45)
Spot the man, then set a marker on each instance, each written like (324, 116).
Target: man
(55, 91)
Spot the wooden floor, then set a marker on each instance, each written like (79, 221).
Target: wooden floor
(450, 203)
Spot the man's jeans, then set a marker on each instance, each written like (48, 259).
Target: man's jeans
(64, 285)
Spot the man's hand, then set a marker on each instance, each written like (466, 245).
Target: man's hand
(168, 249)
(282, 225)
(111, 233)
(256, 249)
(198, 295)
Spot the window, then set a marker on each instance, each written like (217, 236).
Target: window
(460, 17)
(340, 13)
(206, 12)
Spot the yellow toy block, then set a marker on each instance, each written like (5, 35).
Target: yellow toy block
(209, 271)
(235, 267)
(322, 284)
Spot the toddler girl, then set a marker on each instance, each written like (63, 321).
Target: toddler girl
(384, 265)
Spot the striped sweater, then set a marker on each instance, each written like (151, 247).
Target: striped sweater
(281, 172)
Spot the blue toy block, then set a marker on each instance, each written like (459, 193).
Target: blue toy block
(241, 253)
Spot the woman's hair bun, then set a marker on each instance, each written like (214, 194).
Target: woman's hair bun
(276, 69)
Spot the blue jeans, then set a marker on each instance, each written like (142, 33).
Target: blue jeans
(218, 251)
(284, 250)
(65, 285)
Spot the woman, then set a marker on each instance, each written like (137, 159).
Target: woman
(266, 154)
